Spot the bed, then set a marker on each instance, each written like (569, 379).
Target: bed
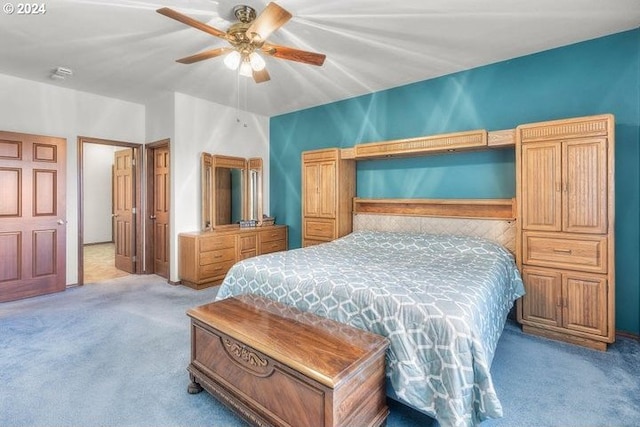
(441, 299)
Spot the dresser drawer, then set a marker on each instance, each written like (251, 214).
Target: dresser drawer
(271, 235)
(319, 229)
(275, 246)
(220, 255)
(211, 243)
(218, 269)
(584, 253)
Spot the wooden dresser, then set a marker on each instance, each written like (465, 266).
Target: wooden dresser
(278, 366)
(328, 188)
(565, 186)
(205, 257)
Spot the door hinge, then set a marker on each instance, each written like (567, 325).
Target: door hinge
(134, 259)
(133, 211)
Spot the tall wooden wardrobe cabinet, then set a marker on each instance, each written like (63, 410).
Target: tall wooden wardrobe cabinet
(565, 192)
(328, 188)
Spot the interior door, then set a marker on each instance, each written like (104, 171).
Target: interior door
(123, 211)
(160, 215)
(32, 215)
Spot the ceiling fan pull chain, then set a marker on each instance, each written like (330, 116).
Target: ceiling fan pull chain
(238, 100)
(238, 96)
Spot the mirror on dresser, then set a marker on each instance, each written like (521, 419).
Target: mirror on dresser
(231, 190)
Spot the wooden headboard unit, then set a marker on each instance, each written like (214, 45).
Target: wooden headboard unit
(451, 208)
(493, 219)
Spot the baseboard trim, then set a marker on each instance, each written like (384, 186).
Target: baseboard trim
(630, 335)
(97, 243)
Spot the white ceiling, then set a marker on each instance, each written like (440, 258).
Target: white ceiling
(124, 49)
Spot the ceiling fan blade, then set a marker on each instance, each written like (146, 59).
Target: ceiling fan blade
(291, 54)
(261, 76)
(211, 53)
(192, 22)
(271, 18)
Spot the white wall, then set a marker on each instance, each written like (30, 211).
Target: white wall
(160, 117)
(98, 169)
(193, 126)
(44, 109)
(205, 126)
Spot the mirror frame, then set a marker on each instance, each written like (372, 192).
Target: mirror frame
(254, 164)
(208, 164)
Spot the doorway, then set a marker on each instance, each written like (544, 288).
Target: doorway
(158, 166)
(109, 200)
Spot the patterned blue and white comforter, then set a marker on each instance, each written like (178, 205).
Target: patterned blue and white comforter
(441, 300)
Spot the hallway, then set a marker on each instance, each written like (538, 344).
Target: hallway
(99, 263)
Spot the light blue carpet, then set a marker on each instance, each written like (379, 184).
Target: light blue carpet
(115, 354)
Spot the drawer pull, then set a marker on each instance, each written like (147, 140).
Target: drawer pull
(562, 251)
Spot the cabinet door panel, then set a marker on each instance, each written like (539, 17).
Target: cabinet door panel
(311, 191)
(328, 190)
(543, 300)
(585, 307)
(542, 177)
(585, 180)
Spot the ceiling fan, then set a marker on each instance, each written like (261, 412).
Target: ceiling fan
(247, 38)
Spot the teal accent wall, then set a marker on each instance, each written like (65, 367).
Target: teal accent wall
(593, 77)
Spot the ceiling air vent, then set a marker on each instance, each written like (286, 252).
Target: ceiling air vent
(61, 73)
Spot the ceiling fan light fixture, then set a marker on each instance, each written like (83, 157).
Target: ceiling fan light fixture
(232, 60)
(257, 63)
(245, 69)
(247, 39)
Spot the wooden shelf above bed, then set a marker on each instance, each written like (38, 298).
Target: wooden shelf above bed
(435, 144)
(459, 141)
(455, 208)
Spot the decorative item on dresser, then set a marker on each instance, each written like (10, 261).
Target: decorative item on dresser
(278, 366)
(328, 188)
(565, 192)
(206, 256)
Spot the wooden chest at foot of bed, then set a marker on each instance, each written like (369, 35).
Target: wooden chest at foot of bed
(276, 365)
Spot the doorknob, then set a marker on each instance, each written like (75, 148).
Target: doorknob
(114, 215)
(152, 217)
(61, 222)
